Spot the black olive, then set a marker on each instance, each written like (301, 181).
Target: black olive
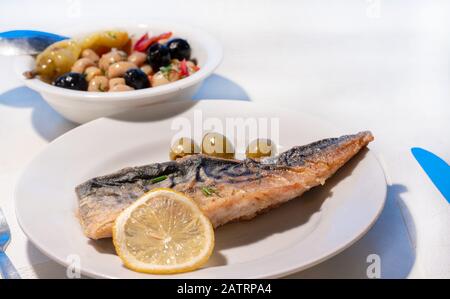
(179, 49)
(158, 55)
(72, 80)
(136, 79)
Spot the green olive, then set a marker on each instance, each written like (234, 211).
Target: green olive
(183, 147)
(259, 148)
(217, 145)
(57, 59)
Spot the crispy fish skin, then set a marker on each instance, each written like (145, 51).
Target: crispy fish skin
(237, 190)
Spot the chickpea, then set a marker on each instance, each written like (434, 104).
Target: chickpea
(138, 58)
(89, 53)
(98, 83)
(147, 69)
(121, 87)
(92, 72)
(116, 81)
(81, 64)
(111, 57)
(118, 69)
(159, 79)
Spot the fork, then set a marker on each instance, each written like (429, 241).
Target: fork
(7, 269)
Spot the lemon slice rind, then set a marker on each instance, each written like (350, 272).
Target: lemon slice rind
(131, 262)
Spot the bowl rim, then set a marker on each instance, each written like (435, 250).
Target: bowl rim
(209, 43)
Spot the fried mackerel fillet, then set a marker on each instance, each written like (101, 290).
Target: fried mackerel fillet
(225, 190)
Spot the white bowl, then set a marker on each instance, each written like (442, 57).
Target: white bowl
(82, 106)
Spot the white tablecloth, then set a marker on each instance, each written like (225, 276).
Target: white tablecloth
(375, 64)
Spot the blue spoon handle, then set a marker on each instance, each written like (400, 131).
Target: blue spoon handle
(21, 42)
(14, 34)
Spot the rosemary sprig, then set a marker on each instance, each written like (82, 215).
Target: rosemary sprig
(111, 34)
(166, 70)
(208, 191)
(158, 179)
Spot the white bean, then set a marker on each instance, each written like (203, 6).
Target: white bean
(121, 87)
(116, 81)
(159, 79)
(98, 83)
(174, 76)
(92, 72)
(147, 69)
(110, 58)
(81, 64)
(138, 58)
(118, 69)
(89, 53)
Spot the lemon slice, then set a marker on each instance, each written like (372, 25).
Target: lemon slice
(163, 232)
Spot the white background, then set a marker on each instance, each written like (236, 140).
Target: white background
(361, 64)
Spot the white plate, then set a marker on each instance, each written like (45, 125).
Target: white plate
(295, 236)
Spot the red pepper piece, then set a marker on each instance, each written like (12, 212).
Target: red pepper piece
(183, 69)
(140, 41)
(144, 42)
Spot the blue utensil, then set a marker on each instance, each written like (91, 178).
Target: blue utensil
(26, 42)
(7, 270)
(436, 169)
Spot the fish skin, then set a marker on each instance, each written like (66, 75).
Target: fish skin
(240, 189)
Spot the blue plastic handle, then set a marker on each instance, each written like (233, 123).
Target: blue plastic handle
(27, 34)
(436, 168)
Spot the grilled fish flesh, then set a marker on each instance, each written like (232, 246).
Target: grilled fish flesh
(225, 190)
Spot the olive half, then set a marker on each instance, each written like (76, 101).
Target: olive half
(183, 147)
(179, 49)
(259, 148)
(75, 81)
(217, 145)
